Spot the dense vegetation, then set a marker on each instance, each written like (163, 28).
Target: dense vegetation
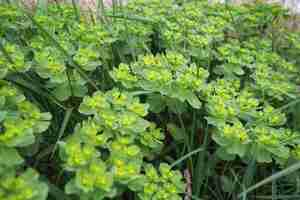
(155, 100)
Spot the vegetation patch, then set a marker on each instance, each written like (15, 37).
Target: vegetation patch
(152, 100)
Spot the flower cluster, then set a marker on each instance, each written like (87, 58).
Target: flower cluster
(8, 16)
(164, 74)
(234, 58)
(245, 124)
(107, 151)
(88, 58)
(117, 110)
(15, 109)
(273, 76)
(13, 61)
(87, 45)
(162, 185)
(167, 58)
(23, 187)
(195, 27)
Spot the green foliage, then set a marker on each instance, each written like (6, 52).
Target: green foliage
(118, 128)
(164, 74)
(213, 88)
(20, 120)
(22, 187)
(164, 184)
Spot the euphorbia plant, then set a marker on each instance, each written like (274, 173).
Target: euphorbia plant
(20, 120)
(164, 74)
(107, 151)
(138, 91)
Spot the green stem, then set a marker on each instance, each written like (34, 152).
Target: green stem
(62, 129)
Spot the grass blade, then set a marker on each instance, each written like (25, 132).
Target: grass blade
(285, 197)
(75, 9)
(186, 157)
(62, 129)
(276, 176)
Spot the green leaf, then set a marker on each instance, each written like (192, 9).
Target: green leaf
(2, 102)
(10, 157)
(157, 103)
(80, 90)
(41, 126)
(239, 71)
(262, 155)
(237, 148)
(176, 106)
(221, 153)
(71, 187)
(3, 73)
(176, 132)
(140, 125)
(137, 184)
(62, 92)
(227, 184)
(41, 188)
(2, 115)
(193, 101)
(25, 140)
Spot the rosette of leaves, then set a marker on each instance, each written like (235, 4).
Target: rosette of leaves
(194, 27)
(15, 109)
(275, 77)
(12, 60)
(93, 179)
(86, 34)
(153, 9)
(191, 27)
(122, 113)
(85, 44)
(273, 74)
(60, 76)
(220, 95)
(9, 15)
(169, 75)
(253, 19)
(235, 59)
(131, 37)
(87, 57)
(107, 151)
(56, 19)
(245, 125)
(25, 186)
(95, 36)
(162, 184)
(153, 16)
(117, 110)
(290, 45)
